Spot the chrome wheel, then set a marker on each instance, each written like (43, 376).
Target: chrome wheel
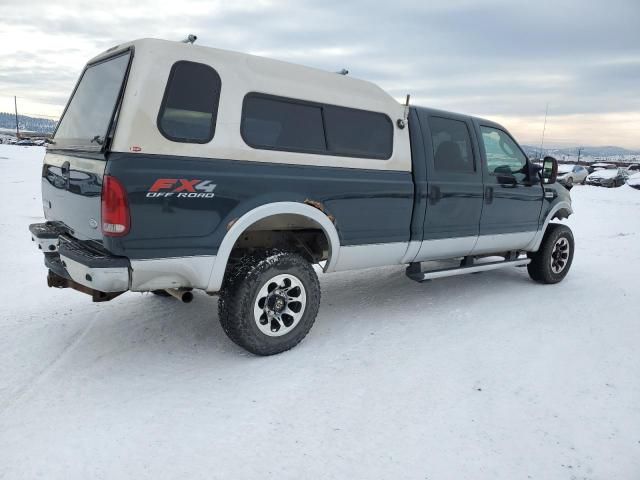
(560, 255)
(279, 305)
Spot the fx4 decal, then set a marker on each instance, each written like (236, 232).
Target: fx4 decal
(181, 188)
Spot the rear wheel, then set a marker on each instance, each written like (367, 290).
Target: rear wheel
(269, 301)
(551, 263)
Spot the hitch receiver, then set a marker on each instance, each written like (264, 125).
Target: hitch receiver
(56, 281)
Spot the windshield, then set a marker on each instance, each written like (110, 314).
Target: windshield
(86, 120)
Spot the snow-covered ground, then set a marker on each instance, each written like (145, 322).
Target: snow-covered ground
(486, 376)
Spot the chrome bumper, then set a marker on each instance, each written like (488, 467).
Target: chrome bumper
(83, 263)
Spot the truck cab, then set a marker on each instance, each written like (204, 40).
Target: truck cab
(176, 168)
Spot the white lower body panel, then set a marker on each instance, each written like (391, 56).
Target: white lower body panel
(372, 255)
(445, 248)
(196, 272)
(161, 273)
(502, 242)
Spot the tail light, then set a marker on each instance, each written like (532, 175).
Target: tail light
(115, 208)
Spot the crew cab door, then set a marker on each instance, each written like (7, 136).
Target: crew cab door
(454, 186)
(513, 194)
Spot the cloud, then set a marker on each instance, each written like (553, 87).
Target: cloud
(498, 58)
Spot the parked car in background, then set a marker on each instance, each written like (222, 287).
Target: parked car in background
(608, 177)
(634, 168)
(634, 181)
(601, 166)
(570, 174)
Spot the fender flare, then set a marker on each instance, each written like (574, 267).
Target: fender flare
(264, 211)
(537, 240)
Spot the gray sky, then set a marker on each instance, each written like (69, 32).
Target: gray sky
(499, 59)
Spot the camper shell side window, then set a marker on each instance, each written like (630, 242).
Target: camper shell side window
(189, 107)
(271, 122)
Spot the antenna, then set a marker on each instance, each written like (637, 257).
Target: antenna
(406, 107)
(544, 127)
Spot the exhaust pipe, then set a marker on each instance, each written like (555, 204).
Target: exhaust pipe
(185, 296)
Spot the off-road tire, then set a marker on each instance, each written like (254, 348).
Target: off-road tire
(569, 184)
(240, 288)
(540, 268)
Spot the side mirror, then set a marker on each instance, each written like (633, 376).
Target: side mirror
(549, 170)
(533, 175)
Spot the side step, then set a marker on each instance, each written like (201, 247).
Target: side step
(414, 271)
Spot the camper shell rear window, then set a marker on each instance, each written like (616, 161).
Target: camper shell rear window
(89, 114)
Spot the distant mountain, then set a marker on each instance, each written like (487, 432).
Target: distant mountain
(27, 123)
(606, 151)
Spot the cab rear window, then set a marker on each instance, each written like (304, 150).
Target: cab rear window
(190, 105)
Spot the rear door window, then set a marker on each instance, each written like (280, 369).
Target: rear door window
(452, 152)
(190, 105)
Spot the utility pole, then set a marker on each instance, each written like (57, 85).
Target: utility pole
(15, 104)
(579, 151)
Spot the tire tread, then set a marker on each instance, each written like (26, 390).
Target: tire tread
(540, 269)
(235, 306)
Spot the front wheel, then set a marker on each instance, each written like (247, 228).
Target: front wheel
(269, 301)
(569, 183)
(551, 263)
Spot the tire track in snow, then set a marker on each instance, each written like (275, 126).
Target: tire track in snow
(37, 379)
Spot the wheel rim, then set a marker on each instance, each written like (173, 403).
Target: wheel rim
(279, 305)
(569, 182)
(560, 255)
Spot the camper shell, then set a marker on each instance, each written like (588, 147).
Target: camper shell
(177, 167)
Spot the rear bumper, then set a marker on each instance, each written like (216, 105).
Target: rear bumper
(83, 263)
(87, 267)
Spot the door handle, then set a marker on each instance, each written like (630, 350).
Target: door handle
(434, 194)
(488, 195)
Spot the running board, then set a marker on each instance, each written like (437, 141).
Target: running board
(415, 273)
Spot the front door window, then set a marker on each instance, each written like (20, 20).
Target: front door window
(504, 158)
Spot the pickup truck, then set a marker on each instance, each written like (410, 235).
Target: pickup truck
(177, 167)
